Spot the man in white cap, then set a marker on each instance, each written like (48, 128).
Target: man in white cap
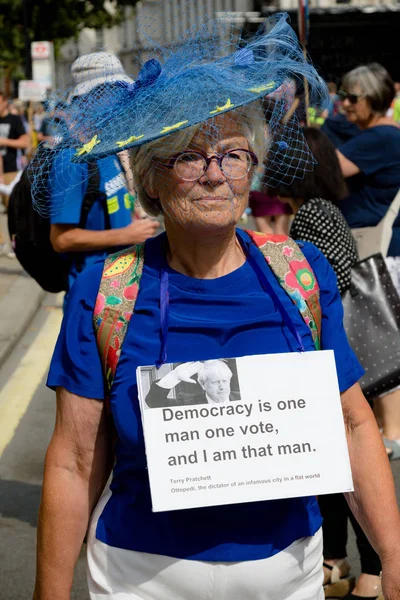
(110, 223)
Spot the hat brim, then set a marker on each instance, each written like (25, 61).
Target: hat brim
(168, 111)
(195, 83)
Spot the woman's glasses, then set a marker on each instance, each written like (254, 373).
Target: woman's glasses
(352, 98)
(191, 165)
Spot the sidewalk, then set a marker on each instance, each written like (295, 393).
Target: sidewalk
(20, 298)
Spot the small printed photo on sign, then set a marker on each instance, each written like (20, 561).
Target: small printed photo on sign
(189, 383)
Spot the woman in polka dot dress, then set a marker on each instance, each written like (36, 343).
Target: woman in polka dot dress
(315, 201)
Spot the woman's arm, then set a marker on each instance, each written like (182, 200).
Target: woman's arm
(70, 238)
(373, 501)
(348, 168)
(77, 466)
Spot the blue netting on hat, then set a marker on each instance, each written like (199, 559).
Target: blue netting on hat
(209, 85)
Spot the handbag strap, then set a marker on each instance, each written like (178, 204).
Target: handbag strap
(393, 210)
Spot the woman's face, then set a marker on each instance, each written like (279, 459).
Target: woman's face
(214, 201)
(359, 113)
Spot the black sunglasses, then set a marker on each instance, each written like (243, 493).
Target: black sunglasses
(352, 98)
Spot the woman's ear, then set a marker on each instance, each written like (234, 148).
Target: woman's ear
(150, 191)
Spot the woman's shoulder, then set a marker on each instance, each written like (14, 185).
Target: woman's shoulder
(86, 287)
(326, 207)
(311, 253)
(313, 212)
(373, 136)
(380, 132)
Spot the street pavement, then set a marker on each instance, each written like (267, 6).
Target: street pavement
(27, 410)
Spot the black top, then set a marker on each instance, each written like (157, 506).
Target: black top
(320, 222)
(11, 127)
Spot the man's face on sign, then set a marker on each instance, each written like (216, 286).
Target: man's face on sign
(217, 384)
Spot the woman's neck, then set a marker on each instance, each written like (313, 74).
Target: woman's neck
(379, 120)
(204, 256)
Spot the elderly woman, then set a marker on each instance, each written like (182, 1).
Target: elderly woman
(371, 164)
(206, 292)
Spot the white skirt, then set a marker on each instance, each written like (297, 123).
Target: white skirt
(116, 574)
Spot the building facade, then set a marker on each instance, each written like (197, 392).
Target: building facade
(170, 19)
(343, 33)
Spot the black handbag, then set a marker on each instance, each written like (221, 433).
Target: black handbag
(372, 323)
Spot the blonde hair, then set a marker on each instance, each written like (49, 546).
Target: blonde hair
(251, 119)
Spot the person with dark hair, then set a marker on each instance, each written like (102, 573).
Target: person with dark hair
(314, 201)
(371, 164)
(13, 137)
(270, 214)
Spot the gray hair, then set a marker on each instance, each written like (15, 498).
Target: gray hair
(254, 128)
(209, 367)
(375, 83)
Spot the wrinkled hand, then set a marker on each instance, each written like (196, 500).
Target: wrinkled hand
(185, 371)
(138, 231)
(391, 577)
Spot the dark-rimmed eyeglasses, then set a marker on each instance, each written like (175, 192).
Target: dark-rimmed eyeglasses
(190, 165)
(352, 98)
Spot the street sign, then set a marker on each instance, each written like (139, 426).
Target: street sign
(41, 50)
(29, 90)
(43, 69)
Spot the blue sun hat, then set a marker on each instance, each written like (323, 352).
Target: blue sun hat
(208, 72)
(191, 85)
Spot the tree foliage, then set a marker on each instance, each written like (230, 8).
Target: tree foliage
(52, 20)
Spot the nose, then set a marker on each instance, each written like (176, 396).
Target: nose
(213, 173)
(346, 103)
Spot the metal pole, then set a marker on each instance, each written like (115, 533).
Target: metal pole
(28, 60)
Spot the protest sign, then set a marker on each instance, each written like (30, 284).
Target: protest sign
(31, 91)
(242, 430)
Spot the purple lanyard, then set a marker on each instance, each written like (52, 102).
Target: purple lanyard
(164, 301)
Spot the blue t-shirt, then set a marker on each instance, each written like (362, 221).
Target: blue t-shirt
(230, 316)
(376, 152)
(68, 183)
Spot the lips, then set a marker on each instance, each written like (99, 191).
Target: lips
(211, 199)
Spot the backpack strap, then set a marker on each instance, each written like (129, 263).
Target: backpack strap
(123, 270)
(94, 194)
(115, 305)
(293, 271)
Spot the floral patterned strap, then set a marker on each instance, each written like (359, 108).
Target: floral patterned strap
(295, 275)
(115, 305)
